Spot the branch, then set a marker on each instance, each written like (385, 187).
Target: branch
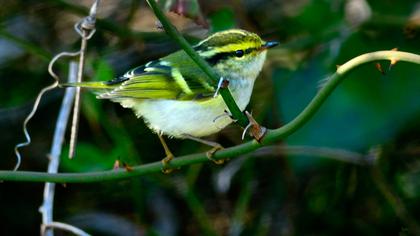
(85, 28)
(232, 152)
(178, 162)
(47, 206)
(241, 119)
(65, 227)
(331, 84)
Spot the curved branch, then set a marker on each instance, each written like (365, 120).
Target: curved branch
(332, 83)
(271, 136)
(156, 167)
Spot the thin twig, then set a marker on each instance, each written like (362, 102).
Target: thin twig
(26, 121)
(58, 56)
(86, 29)
(66, 227)
(271, 136)
(76, 107)
(35, 106)
(46, 208)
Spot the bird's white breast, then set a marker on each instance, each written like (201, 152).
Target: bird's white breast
(195, 118)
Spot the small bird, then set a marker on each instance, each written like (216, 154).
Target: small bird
(173, 96)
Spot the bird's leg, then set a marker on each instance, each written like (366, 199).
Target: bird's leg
(210, 153)
(168, 158)
(257, 131)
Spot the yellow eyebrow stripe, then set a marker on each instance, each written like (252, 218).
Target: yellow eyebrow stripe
(237, 46)
(230, 48)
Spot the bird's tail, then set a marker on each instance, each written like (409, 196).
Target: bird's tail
(90, 85)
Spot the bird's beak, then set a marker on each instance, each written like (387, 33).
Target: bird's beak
(270, 44)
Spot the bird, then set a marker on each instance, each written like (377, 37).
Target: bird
(173, 95)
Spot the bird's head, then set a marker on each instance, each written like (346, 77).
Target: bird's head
(235, 52)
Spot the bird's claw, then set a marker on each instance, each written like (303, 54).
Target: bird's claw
(166, 169)
(211, 153)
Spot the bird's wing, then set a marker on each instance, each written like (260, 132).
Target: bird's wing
(158, 80)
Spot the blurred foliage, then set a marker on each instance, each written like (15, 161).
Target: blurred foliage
(278, 195)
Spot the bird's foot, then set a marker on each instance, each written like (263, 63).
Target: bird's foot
(211, 153)
(166, 169)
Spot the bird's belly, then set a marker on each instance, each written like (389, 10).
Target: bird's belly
(177, 118)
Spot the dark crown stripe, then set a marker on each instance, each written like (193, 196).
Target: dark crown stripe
(218, 57)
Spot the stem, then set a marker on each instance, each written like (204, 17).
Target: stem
(156, 167)
(67, 228)
(232, 152)
(333, 81)
(47, 206)
(237, 114)
(86, 29)
(76, 108)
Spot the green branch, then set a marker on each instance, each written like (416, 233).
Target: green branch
(333, 81)
(241, 119)
(156, 167)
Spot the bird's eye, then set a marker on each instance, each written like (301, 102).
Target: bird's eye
(239, 53)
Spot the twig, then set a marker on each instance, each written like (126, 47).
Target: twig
(46, 208)
(86, 29)
(271, 136)
(242, 120)
(35, 106)
(26, 121)
(66, 227)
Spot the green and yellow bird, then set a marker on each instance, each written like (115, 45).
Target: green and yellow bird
(173, 96)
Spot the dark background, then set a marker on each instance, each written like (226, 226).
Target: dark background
(267, 193)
